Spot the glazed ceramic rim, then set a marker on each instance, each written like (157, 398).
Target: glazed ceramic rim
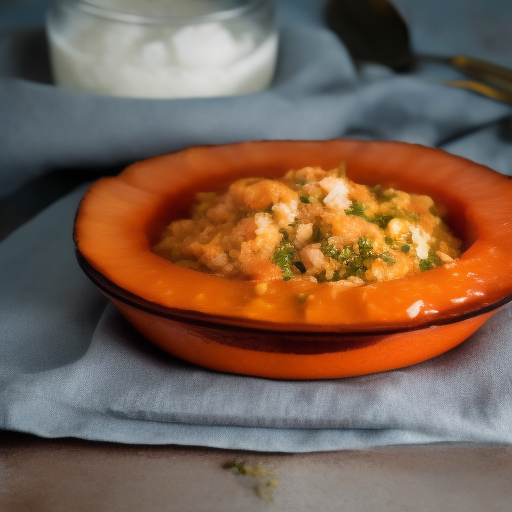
(114, 291)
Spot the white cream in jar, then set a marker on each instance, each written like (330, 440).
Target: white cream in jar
(163, 49)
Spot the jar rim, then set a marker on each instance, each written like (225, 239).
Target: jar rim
(164, 19)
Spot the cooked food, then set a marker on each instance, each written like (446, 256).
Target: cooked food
(313, 225)
(273, 319)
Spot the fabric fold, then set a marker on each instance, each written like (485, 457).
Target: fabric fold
(71, 366)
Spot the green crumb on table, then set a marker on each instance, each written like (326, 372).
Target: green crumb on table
(262, 479)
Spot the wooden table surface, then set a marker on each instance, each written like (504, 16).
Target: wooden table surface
(56, 475)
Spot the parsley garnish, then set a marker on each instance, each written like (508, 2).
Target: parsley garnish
(425, 265)
(408, 215)
(284, 256)
(353, 261)
(387, 258)
(381, 219)
(317, 234)
(434, 211)
(339, 255)
(431, 262)
(358, 209)
(382, 195)
(365, 247)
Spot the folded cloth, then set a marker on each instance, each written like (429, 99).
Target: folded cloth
(71, 366)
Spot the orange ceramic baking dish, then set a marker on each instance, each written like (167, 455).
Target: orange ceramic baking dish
(223, 324)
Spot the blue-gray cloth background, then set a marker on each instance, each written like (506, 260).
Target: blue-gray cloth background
(70, 365)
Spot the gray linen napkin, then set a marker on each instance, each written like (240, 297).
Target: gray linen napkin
(71, 366)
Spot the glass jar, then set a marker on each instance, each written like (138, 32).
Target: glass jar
(163, 48)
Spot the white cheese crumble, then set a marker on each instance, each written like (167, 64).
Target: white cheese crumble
(420, 238)
(262, 220)
(337, 192)
(285, 214)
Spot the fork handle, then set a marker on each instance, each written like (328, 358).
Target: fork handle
(491, 74)
(483, 89)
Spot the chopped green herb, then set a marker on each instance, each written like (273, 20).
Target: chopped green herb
(346, 252)
(301, 182)
(431, 262)
(382, 195)
(330, 251)
(284, 233)
(304, 199)
(321, 277)
(353, 262)
(339, 255)
(381, 219)
(317, 234)
(389, 240)
(357, 209)
(365, 247)
(387, 258)
(284, 256)
(244, 213)
(412, 216)
(356, 267)
(434, 211)
(426, 265)
(405, 248)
